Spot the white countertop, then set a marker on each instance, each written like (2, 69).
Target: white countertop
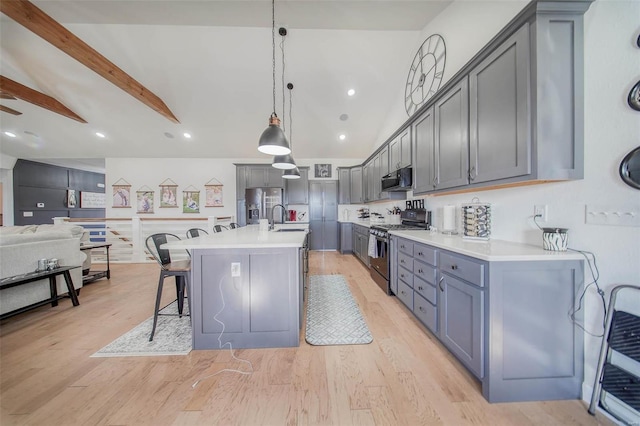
(492, 250)
(356, 221)
(245, 237)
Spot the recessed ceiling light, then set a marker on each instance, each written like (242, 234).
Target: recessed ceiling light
(187, 135)
(100, 135)
(342, 137)
(11, 135)
(344, 117)
(351, 92)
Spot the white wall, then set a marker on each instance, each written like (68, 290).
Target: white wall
(6, 178)
(612, 129)
(151, 172)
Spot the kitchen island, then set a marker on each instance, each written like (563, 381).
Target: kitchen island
(247, 287)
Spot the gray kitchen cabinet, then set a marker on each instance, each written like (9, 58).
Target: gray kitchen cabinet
(498, 112)
(374, 179)
(367, 188)
(297, 190)
(361, 243)
(241, 182)
(356, 192)
(483, 311)
(346, 238)
(452, 137)
(393, 264)
(323, 214)
(264, 176)
(461, 310)
(384, 163)
(400, 151)
(344, 185)
(260, 307)
(424, 148)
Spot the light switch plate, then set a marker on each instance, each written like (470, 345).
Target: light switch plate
(235, 269)
(40, 205)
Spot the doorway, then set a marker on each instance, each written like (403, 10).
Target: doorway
(323, 214)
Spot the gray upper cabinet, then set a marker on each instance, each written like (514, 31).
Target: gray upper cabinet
(384, 163)
(297, 190)
(452, 137)
(356, 193)
(264, 176)
(241, 182)
(400, 151)
(366, 182)
(424, 174)
(499, 111)
(344, 185)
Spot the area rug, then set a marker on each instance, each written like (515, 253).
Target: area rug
(172, 337)
(333, 317)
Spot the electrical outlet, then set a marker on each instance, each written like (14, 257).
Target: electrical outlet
(541, 211)
(235, 269)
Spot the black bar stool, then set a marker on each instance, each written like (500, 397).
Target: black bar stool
(196, 232)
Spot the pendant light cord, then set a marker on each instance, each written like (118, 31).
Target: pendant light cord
(284, 127)
(273, 50)
(290, 120)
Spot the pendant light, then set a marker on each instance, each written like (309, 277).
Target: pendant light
(284, 162)
(273, 140)
(293, 173)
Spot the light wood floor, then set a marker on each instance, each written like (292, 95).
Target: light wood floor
(405, 377)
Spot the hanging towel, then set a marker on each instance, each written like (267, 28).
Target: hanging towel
(373, 246)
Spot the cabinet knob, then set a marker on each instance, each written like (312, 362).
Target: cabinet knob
(420, 271)
(401, 260)
(440, 284)
(454, 267)
(402, 291)
(402, 275)
(420, 253)
(420, 287)
(421, 308)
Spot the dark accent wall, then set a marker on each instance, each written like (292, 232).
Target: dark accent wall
(35, 183)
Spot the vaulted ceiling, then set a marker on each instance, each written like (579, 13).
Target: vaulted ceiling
(211, 64)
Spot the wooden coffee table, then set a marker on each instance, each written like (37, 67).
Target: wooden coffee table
(96, 275)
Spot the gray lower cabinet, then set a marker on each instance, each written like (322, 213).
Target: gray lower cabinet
(506, 321)
(297, 190)
(346, 238)
(259, 309)
(361, 243)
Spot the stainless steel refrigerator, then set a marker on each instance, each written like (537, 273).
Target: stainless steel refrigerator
(260, 202)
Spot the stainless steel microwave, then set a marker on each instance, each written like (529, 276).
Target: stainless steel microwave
(398, 180)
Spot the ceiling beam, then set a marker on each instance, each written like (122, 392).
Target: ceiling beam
(28, 15)
(9, 110)
(27, 94)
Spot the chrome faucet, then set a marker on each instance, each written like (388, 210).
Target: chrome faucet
(273, 218)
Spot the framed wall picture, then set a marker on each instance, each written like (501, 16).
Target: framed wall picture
(213, 193)
(144, 200)
(168, 194)
(322, 170)
(191, 201)
(92, 200)
(121, 194)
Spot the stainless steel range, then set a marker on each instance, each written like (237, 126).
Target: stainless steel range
(379, 233)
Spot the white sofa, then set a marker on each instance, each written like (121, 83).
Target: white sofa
(20, 249)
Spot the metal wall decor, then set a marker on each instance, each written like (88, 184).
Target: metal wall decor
(425, 74)
(144, 200)
(191, 200)
(121, 194)
(168, 191)
(630, 168)
(213, 193)
(322, 170)
(634, 97)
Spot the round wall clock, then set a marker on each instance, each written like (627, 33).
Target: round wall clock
(425, 74)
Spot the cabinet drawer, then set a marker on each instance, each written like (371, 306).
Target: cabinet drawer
(425, 253)
(424, 271)
(425, 289)
(406, 247)
(405, 276)
(406, 261)
(425, 312)
(468, 270)
(405, 294)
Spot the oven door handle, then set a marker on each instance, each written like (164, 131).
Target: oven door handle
(382, 239)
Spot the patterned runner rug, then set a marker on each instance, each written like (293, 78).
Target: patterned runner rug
(172, 337)
(333, 317)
